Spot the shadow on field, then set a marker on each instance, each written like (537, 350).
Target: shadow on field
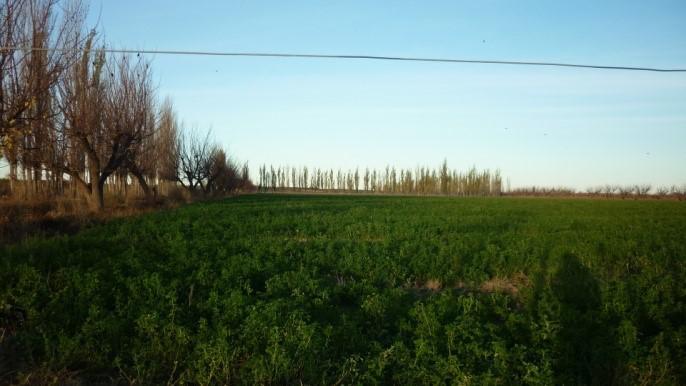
(587, 352)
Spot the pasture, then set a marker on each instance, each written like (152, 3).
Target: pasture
(283, 289)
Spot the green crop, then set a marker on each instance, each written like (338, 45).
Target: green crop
(279, 289)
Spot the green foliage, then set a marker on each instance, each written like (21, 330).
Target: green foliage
(356, 290)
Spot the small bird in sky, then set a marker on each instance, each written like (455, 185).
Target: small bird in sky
(483, 41)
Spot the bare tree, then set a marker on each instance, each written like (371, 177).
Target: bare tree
(14, 93)
(223, 174)
(107, 117)
(662, 191)
(643, 190)
(29, 72)
(167, 143)
(625, 191)
(445, 177)
(195, 157)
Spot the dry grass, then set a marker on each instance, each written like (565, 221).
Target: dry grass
(45, 214)
(506, 285)
(20, 219)
(433, 285)
(510, 286)
(500, 285)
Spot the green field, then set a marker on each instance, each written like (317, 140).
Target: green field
(278, 289)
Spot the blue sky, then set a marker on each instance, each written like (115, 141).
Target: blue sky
(542, 126)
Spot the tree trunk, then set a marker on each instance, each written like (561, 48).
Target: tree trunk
(142, 182)
(37, 180)
(13, 177)
(25, 181)
(96, 199)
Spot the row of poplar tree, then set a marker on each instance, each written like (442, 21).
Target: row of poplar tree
(421, 180)
(75, 118)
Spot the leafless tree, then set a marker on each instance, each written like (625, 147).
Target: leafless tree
(594, 190)
(625, 191)
(29, 71)
(609, 190)
(106, 109)
(643, 190)
(223, 174)
(167, 143)
(195, 153)
(445, 177)
(662, 191)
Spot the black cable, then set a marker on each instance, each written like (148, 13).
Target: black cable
(367, 57)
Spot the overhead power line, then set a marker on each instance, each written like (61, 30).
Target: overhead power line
(365, 57)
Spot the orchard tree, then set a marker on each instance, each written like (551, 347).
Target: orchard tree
(106, 116)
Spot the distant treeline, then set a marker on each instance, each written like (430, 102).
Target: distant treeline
(421, 180)
(440, 181)
(607, 191)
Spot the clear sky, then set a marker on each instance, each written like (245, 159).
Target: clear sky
(543, 126)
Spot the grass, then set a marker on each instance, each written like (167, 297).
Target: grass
(354, 289)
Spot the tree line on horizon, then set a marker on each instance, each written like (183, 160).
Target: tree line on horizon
(604, 191)
(440, 181)
(420, 180)
(75, 119)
